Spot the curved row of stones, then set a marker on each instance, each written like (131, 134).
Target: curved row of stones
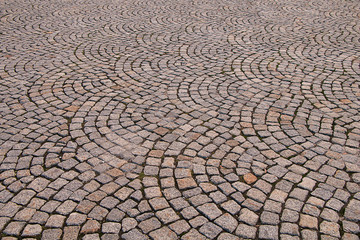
(180, 119)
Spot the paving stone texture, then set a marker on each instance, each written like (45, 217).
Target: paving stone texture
(180, 119)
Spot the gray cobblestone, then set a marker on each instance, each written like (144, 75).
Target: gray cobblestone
(76, 219)
(31, 230)
(289, 216)
(51, 234)
(231, 206)
(163, 234)
(290, 228)
(248, 216)
(322, 193)
(23, 197)
(14, 228)
(55, 221)
(210, 210)
(180, 227)
(330, 228)
(179, 119)
(309, 234)
(299, 194)
(167, 215)
(246, 231)
(39, 217)
(268, 232)
(227, 222)
(193, 234)
(134, 234)
(198, 221)
(210, 230)
(71, 232)
(252, 205)
(352, 210)
(149, 225)
(269, 218)
(25, 214)
(189, 212)
(272, 206)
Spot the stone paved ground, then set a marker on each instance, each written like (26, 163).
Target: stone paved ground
(179, 119)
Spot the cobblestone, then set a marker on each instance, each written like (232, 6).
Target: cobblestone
(134, 234)
(227, 222)
(268, 232)
(163, 234)
(31, 230)
(352, 210)
(290, 228)
(248, 216)
(307, 221)
(111, 227)
(330, 228)
(55, 221)
(51, 234)
(90, 226)
(128, 224)
(210, 230)
(179, 119)
(180, 227)
(193, 234)
(14, 228)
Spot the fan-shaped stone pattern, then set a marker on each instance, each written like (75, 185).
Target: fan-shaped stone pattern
(179, 119)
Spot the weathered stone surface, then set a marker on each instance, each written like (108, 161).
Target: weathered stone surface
(167, 215)
(227, 236)
(307, 221)
(246, 231)
(14, 228)
(111, 227)
(268, 232)
(248, 216)
(51, 234)
(163, 233)
(193, 234)
(179, 119)
(128, 224)
(71, 232)
(210, 210)
(352, 211)
(249, 178)
(330, 228)
(210, 230)
(149, 225)
(180, 227)
(90, 226)
(32, 230)
(55, 221)
(227, 222)
(186, 183)
(290, 229)
(134, 234)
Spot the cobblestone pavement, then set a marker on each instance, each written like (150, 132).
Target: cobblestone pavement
(179, 119)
